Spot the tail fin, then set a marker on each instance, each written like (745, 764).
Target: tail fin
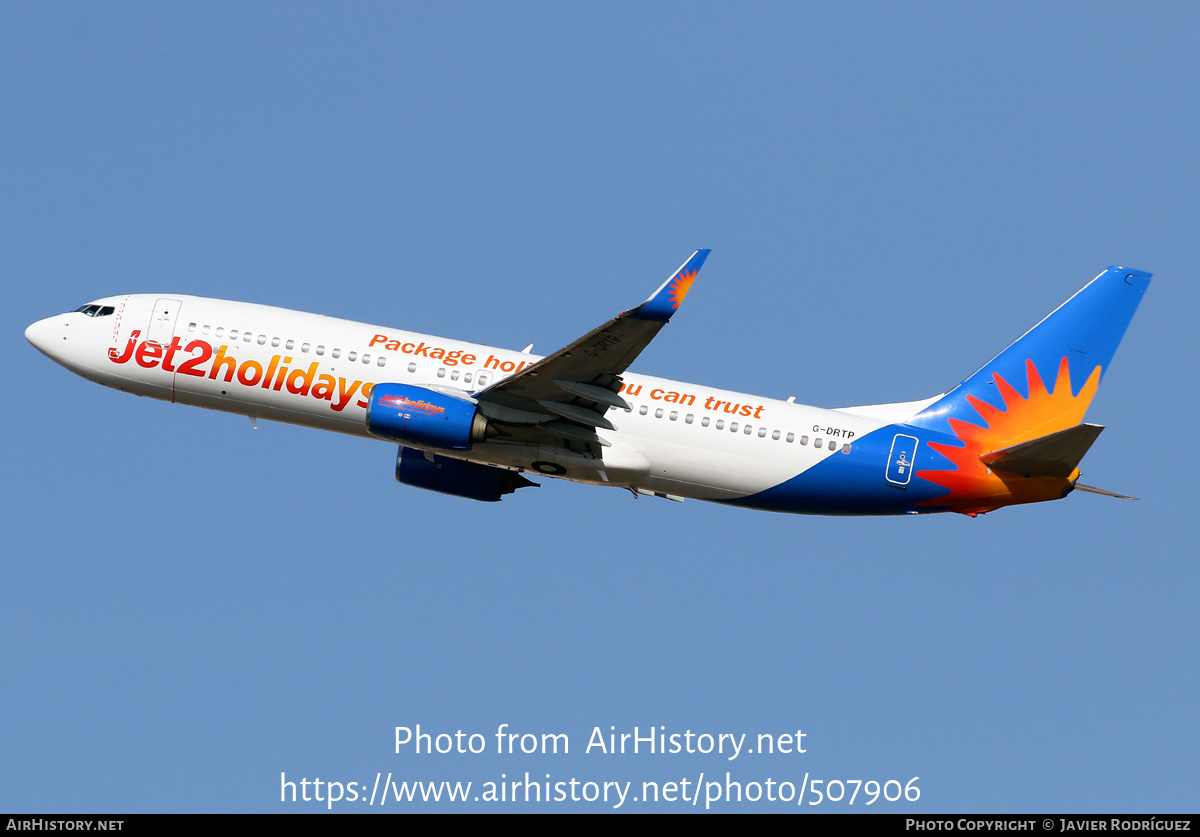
(1070, 350)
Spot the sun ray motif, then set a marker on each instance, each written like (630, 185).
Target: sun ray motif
(678, 289)
(973, 487)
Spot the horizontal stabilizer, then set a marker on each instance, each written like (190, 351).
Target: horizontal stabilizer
(1056, 455)
(1093, 490)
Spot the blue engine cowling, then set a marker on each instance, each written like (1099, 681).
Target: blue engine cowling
(452, 476)
(420, 416)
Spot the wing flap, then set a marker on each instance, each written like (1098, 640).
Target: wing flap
(580, 414)
(599, 395)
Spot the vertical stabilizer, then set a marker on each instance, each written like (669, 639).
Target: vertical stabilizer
(1036, 389)
(1044, 382)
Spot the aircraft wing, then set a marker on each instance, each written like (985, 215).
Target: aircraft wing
(569, 391)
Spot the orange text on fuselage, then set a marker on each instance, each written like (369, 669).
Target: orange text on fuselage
(686, 399)
(194, 359)
(448, 357)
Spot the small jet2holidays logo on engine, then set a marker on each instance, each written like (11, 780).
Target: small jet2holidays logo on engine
(401, 402)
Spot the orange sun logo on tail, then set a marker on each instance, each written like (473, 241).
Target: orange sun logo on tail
(680, 285)
(973, 487)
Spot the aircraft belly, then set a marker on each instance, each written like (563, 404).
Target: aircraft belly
(618, 465)
(725, 470)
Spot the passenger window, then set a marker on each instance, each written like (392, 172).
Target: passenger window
(775, 435)
(454, 375)
(483, 379)
(804, 440)
(643, 410)
(412, 367)
(704, 422)
(674, 415)
(204, 329)
(366, 359)
(304, 347)
(658, 413)
(336, 353)
(247, 337)
(275, 342)
(262, 339)
(320, 350)
(233, 334)
(466, 377)
(382, 361)
(688, 418)
(289, 345)
(352, 356)
(748, 430)
(220, 331)
(733, 427)
(845, 448)
(817, 444)
(762, 432)
(791, 437)
(720, 424)
(191, 326)
(441, 372)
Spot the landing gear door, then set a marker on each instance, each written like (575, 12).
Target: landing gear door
(162, 321)
(901, 459)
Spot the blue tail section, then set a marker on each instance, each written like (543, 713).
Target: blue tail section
(1076, 341)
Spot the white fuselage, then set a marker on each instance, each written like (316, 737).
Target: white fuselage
(678, 439)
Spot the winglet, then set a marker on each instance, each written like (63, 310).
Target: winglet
(670, 294)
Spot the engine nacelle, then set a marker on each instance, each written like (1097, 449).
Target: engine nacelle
(452, 476)
(420, 416)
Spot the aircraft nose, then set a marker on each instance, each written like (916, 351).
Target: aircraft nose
(44, 334)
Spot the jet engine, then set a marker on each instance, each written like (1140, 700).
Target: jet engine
(420, 416)
(453, 476)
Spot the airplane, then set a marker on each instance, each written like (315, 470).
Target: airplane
(473, 420)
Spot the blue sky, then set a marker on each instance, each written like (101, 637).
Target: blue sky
(893, 193)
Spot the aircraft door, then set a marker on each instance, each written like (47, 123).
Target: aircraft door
(901, 459)
(162, 321)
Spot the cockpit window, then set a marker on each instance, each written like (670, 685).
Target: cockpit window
(93, 310)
